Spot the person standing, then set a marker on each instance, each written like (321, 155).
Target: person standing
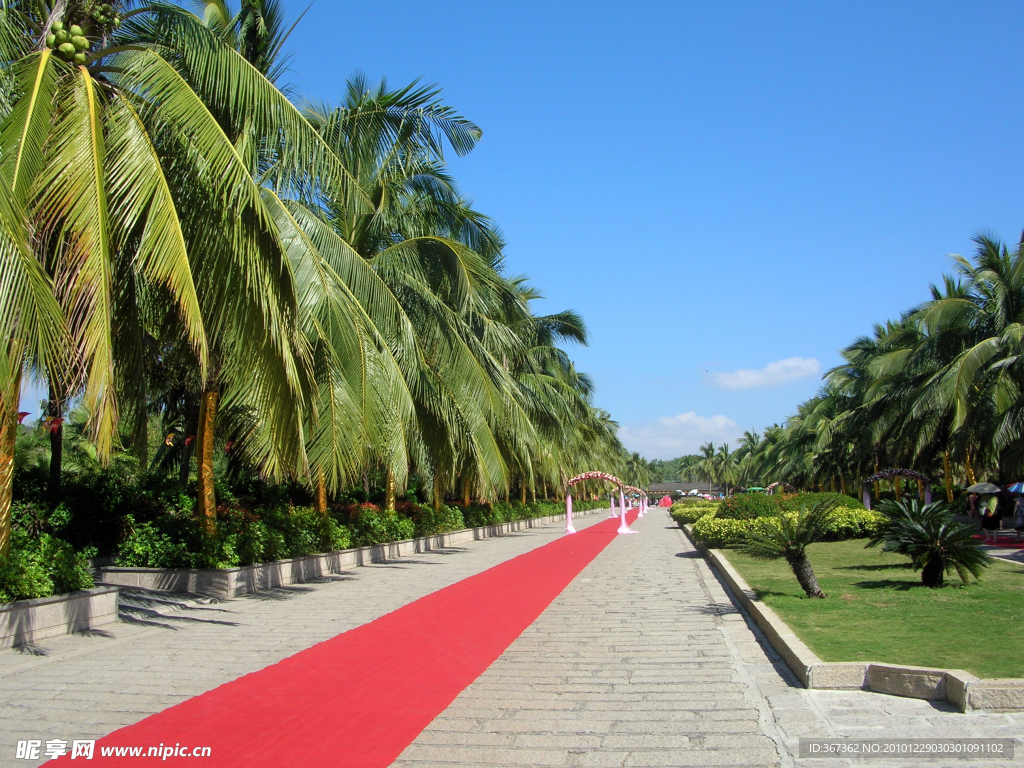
(990, 518)
(1018, 516)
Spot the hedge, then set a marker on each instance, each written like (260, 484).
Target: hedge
(753, 505)
(691, 513)
(846, 523)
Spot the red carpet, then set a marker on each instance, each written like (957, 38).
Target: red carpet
(1005, 542)
(360, 698)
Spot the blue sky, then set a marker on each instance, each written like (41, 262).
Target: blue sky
(717, 186)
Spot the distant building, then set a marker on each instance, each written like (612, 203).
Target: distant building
(661, 489)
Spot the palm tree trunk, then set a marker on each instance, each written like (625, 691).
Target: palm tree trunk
(878, 485)
(8, 438)
(896, 488)
(204, 461)
(437, 493)
(321, 493)
(948, 478)
(522, 493)
(842, 483)
(465, 492)
(142, 436)
(804, 573)
(931, 574)
(54, 410)
(389, 491)
(920, 490)
(544, 489)
(191, 421)
(971, 479)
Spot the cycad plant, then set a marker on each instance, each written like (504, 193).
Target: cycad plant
(935, 543)
(788, 536)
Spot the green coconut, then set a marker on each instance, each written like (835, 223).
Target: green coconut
(62, 36)
(117, 22)
(67, 49)
(57, 26)
(79, 58)
(51, 40)
(76, 31)
(79, 42)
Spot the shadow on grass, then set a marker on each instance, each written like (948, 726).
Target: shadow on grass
(882, 567)
(901, 586)
(773, 593)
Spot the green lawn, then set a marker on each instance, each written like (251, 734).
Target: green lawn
(877, 610)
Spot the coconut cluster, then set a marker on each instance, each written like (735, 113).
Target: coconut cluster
(68, 43)
(104, 16)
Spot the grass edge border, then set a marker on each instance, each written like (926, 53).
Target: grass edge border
(963, 690)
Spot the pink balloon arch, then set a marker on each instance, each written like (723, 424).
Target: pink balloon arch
(623, 488)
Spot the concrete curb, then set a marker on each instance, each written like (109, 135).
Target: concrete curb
(23, 622)
(233, 582)
(961, 689)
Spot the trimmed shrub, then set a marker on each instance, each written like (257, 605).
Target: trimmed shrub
(753, 505)
(845, 523)
(42, 566)
(371, 525)
(691, 501)
(747, 507)
(791, 502)
(429, 522)
(691, 513)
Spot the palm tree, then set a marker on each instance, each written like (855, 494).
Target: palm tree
(788, 538)
(129, 150)
(935, 543)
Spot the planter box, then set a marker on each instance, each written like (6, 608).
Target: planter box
(26, 621)
(233, 582)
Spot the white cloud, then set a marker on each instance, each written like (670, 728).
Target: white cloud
(771, 375)
(670, 436)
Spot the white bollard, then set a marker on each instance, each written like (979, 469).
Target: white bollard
(568, 513)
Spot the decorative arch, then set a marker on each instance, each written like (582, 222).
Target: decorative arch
(889, 474)
(641, 497)
(786, 487)
(594, 475)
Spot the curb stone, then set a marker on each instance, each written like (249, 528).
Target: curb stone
(963, 690)
(24, 622)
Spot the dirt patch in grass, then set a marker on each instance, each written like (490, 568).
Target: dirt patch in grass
(877, 610)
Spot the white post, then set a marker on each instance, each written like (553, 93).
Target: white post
(611, 501)
(623, 525)
(568, 513)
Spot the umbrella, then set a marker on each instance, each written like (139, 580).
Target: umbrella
(755, 488)
(1016, 488)
(984, 488)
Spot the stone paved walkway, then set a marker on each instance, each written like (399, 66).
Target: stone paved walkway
(642, 660)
